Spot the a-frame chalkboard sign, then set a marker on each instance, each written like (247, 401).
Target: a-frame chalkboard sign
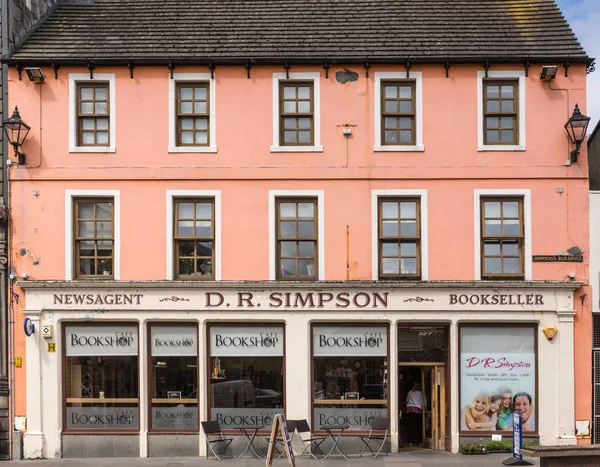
(280, 431)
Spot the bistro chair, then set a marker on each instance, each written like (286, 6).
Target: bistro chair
(378, 434)
(303, 427)
(213, 429)
(291, 428)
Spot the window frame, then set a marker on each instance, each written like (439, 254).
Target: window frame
(194, 115)
(411, 115)
(320, 197)
(198, 78)
(75, 80)
(536, 396)
(150, 325)
(398, 239)
(70, 196)
(421, 195)
(63, 379)
(279, 240)
(525, 195)
(296, 115)
(297, 77)
(77, 239)
(81, 117)
(500, 114)
(415, 77)
(501, 238)
(172, 195)
(177, 239)
(493, 76)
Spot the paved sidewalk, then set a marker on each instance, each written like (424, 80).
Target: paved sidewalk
(421, 458)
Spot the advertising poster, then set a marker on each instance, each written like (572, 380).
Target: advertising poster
(496, 383)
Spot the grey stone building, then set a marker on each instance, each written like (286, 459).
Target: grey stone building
(18, 18)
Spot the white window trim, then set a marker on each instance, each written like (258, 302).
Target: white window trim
(417, 77)
(212, 194)
(69, 237)
(320, 195)
(517, 74)
(75, 78)
(527, 238)
(315, 77)
(422, 195)
(203, 77)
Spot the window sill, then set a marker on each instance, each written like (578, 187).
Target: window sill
(103, 149)
(192, 149)
(411, 148)
(501, 147)
(296, 148)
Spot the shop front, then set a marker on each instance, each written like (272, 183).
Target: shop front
(131, 369)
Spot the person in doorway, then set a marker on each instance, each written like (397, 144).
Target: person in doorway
(523, 404)
(415, 401)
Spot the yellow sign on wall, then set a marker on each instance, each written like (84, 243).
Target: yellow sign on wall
(51, 347)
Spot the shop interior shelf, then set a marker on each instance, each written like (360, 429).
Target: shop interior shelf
(350, 402)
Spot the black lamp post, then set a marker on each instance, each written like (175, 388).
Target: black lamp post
(576, 128)
(16, 131)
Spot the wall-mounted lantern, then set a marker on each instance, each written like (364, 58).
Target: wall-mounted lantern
(16, 131)
(576, 128)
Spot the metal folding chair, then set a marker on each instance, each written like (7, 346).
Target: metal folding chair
(212, 428)
(302, 426)
(378, 433)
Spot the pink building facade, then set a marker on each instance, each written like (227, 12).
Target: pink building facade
(220, 243)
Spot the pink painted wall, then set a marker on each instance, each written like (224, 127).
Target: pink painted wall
(244, 169)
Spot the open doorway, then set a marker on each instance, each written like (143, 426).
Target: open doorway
(423, 368)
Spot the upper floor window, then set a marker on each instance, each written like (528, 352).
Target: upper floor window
(501, 112)
(399, 238)
(194, 237)
(502, 235)
(193, 114)
(296, 112)
(92, 112)
(398, 113)
(297, 238)
(93, 238)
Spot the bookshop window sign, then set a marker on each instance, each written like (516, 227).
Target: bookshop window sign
(82, 340)
(246, 341)
(174, 341)
(332, 341)
(498, 368)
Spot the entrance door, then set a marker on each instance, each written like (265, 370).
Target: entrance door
(432, 377)
(434, 417)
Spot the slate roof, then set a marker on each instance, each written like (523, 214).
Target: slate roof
(297, 31)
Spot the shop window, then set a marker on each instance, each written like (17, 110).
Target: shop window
(174, 377)
(498, 368)
(502, 234)
(246, 375)
(100, 377)
(350, 377)
(399, 238)
(194, 238)
(94, 238)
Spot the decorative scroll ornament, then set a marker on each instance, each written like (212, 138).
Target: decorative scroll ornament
(174, 299)
(419, 299)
